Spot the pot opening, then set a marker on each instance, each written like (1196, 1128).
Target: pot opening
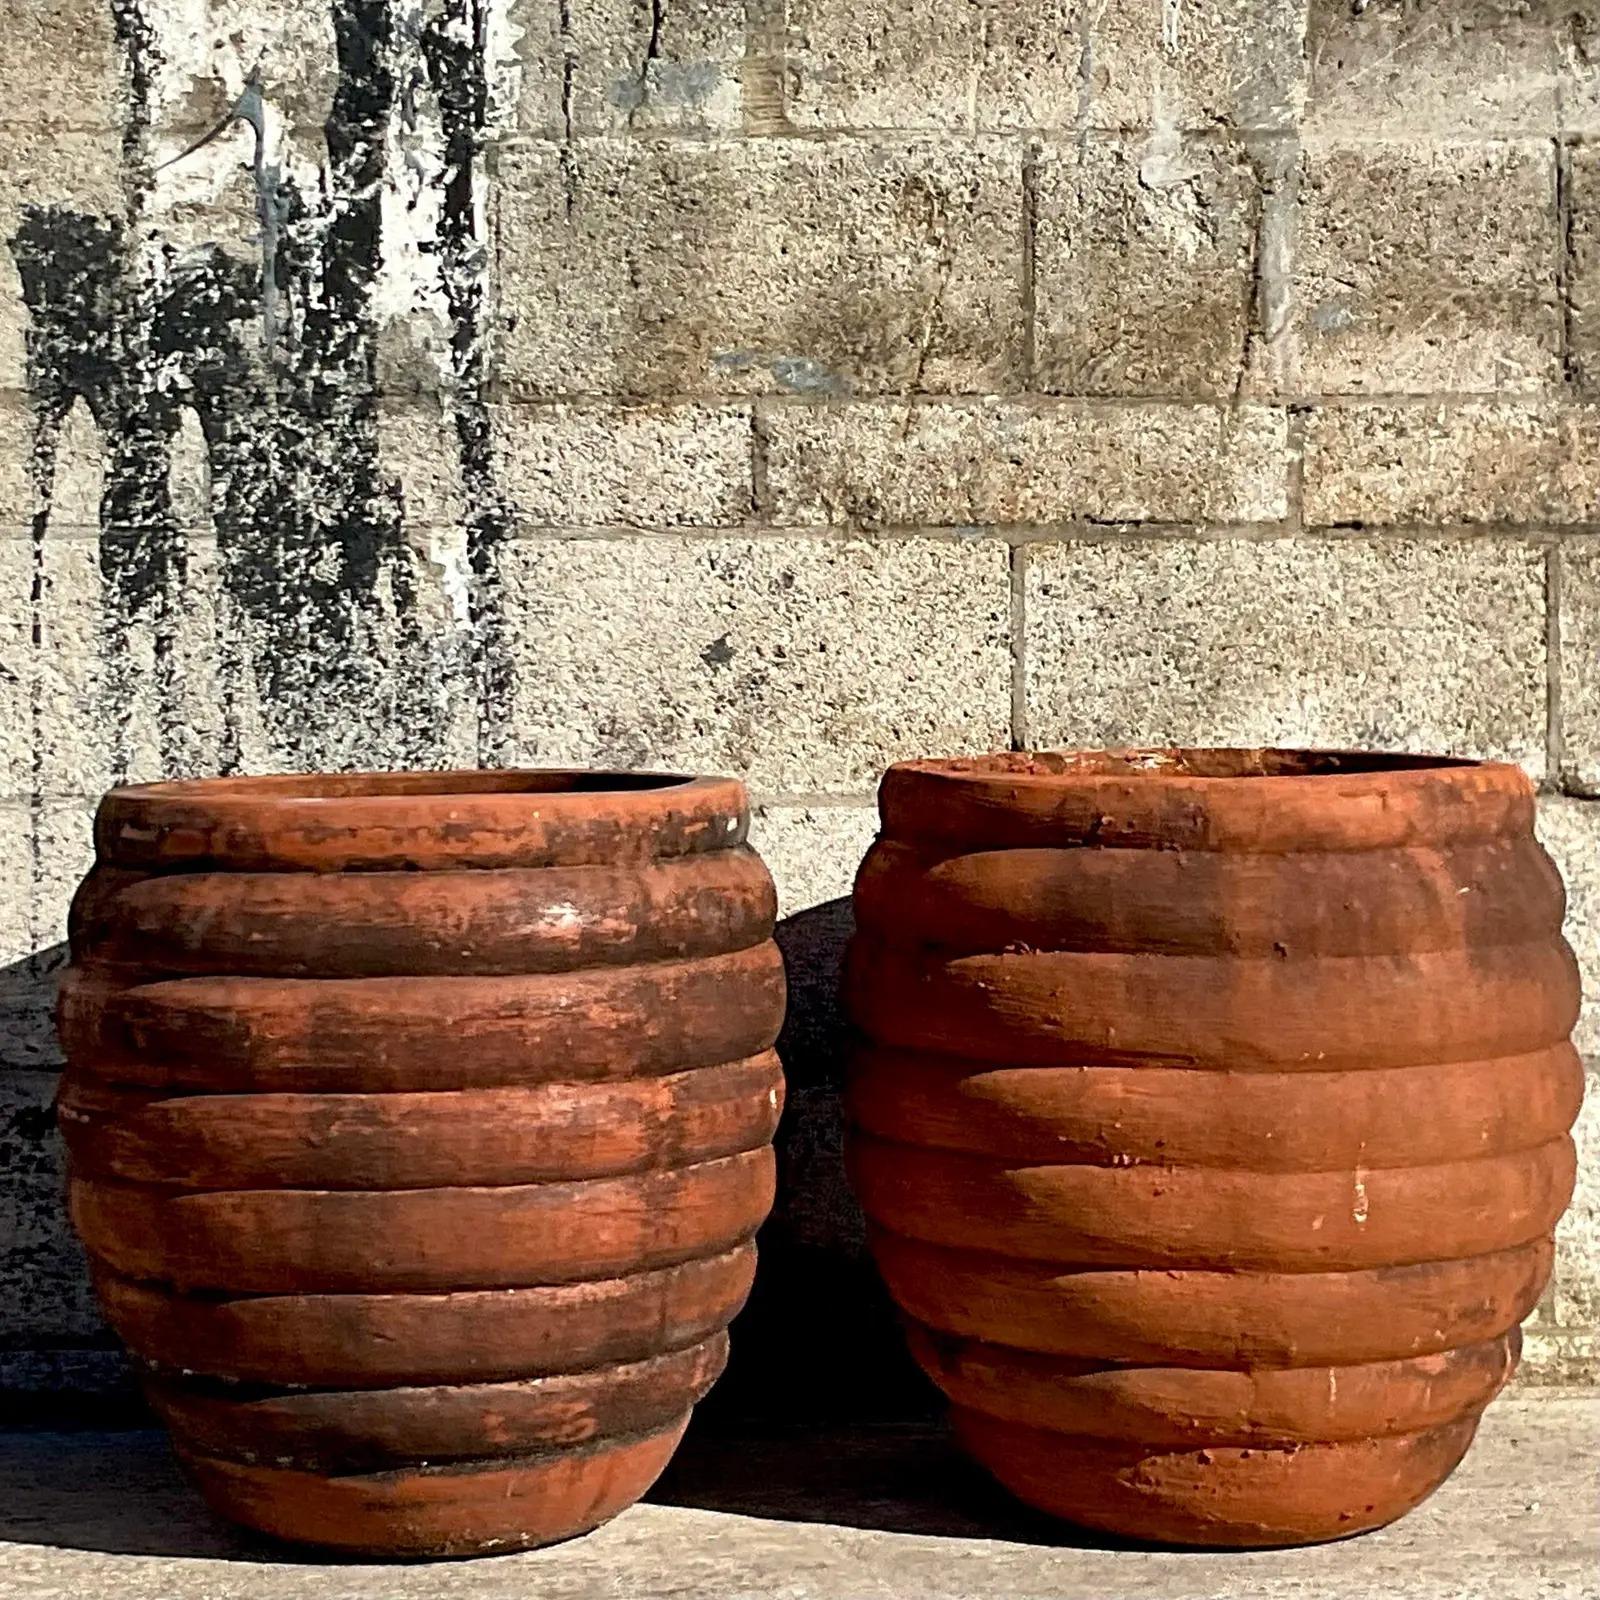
(418, 785)
(1188, 763)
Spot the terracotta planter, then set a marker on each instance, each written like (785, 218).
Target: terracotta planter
(1212, 1121)
(419, 1128)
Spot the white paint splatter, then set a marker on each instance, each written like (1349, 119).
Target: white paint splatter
(409, 287)
(1359, 1213)
(445, 551)
(1171, 19)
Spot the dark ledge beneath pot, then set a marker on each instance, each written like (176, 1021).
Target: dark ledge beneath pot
(836, 1515)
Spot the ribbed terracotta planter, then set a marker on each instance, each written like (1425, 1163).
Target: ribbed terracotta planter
(1212, 1121)
(419, 1127)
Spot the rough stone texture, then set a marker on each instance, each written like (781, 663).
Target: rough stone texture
(1579, 586)
(621, 66)
(812, 851)
(965, 465)
(1426, 266)
(38, 168)
(1167, 64)
(16, 944)
(582, 466)
(870, 64)
(803, 267)
(1583, 284)
(1044, 64)
(1426, 645)
(1143, 265)
(1570, 831)
(208, 50)
(654, 67)
(42, 33)
(1439, 464)
(16, 441)
(1578, 65)
(894, 1514)
(59, 743)
(803, 665)
(1401, 67)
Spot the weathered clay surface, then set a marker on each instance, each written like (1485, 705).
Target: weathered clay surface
(1211, 1121)
(418, 1128)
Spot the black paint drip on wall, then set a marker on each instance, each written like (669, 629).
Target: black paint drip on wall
(320, 585)
(455, 48)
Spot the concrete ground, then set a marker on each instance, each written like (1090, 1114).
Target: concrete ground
(887, 1514)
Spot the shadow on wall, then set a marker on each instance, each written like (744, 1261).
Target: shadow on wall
(818, 1341)
(57, 1362)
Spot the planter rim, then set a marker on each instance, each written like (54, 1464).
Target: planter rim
(331, 821)
(1238, 798)
(1204, 765)
(413, 786)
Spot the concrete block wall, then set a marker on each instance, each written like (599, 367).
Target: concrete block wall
(782, 387)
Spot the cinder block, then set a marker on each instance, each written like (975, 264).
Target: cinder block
(1570, 831)
(61, 67)
(203, 56)
(1399, 67)
(1166, 64)
(532, 57)
(1427, 645)
(1143, 262)
(1579, 579)
(589, 466)
(1583, 280)
(420, 451)
(804, 665)
(16, 453)
(639, 67)
(1578, 64)
(60, 201)
(813, 851)
(66, 678)
(269, 679)
(976, 463)
(683, 267)
(1424, 267)
(1479, 461)
(63, 853)
(882, 64)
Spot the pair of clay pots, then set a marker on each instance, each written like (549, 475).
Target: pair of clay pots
(1210, 1118)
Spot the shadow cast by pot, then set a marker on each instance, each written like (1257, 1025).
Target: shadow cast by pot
(908, 1479)
(121, 1493)
(819, 1342)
